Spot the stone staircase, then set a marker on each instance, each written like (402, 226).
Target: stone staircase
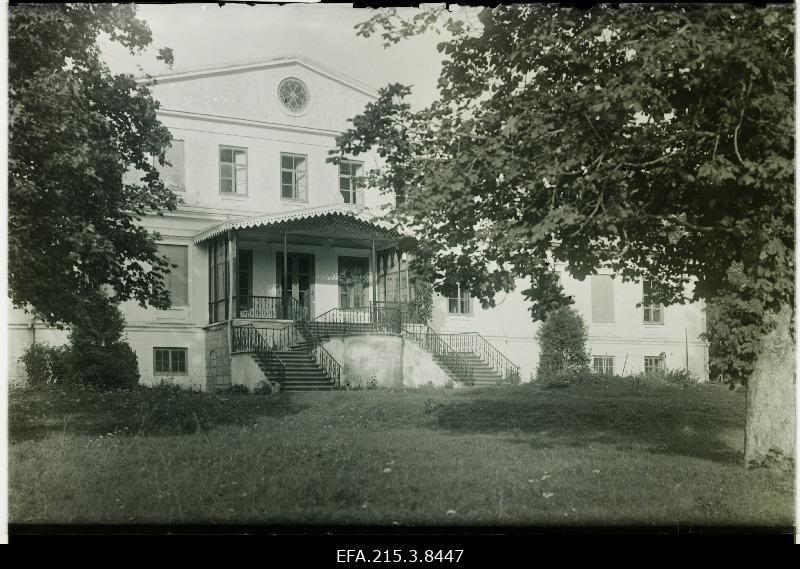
(302, 372)
(483, 374)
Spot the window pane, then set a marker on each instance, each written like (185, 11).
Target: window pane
(177, 281)
(240, 156)
(300, 163)
(226, 171)
(287, 162)
(602, 298)
(452, 305)
(344, 184)
(346, 196)
(159, 357)
(225, 155)
(241, 179)
(287, 178)
(359, 197)
(226, 186)
(287, 191)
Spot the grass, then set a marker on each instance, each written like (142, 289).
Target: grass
(610, 453)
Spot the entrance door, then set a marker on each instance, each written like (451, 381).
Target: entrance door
(299, 283)
(353, 282)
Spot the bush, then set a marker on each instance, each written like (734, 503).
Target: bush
(105, 367)
(680, 377)
(562, 340)
(235, 388)
(262, 388)
(99, 356)
(46, 364)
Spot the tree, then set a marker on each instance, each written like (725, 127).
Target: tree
(653, 140)
(562, 341)
(75, 129)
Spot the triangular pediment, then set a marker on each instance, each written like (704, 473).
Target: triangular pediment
(250, 91)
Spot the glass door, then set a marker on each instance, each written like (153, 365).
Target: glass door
(299, 284)
(353, 282)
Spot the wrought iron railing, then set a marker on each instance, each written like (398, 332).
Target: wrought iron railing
(366, 320)
(321, 356)
(474, 343)
(270, 308)
(448, 358)
(247, 338)
(410, 311)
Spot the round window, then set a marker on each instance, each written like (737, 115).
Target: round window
(293, 94)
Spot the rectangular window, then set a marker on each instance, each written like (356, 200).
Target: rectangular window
(245, 274)
(218, 279)
(349, 182)
(602, 298)
(177, 281)
(653, 311)
(232, 170)
(169, 361)
(353, 282)
(654, 363)
(603, 364)
(294, 177)
(461, 303)
(173, 175)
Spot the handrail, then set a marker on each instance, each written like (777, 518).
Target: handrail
(321, 356)
(269, 307)
(474, 343)
(454, 363)
(408, 310)
(364, 320)
(247, 338)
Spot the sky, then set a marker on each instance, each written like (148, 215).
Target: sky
(207, 34)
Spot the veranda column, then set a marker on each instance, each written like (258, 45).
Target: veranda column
(285, 295)
(374, 277)
(399, 260)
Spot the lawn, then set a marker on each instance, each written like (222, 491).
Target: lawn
(596, 454)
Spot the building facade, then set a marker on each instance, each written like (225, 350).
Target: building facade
(277, 253)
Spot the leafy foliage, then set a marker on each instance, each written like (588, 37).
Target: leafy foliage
(75, 129)
(656, 140)
(562, 343)
(99, 356)
(45, 364)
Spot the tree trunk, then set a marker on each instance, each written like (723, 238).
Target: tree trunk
(770, 423)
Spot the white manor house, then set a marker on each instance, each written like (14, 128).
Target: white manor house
(283, 276)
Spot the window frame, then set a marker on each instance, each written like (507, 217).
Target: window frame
(353, 191)
(460, 301)
(660, 365)
(295, 186)
(651, 308)
(170, 351)
(233, 149)
(182, 187)
(605, 368)
(168, 278)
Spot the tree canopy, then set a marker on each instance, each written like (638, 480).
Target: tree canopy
(654, 140)
(75, 129)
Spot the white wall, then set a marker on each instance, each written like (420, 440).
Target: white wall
(509, 327)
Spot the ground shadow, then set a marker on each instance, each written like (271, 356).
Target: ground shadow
(691, 422)
(137, 412)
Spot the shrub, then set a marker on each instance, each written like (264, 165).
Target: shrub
(105, 367)
(235, 388)
(99, 356)
(46, 364)
(262, 388)
(562, 340)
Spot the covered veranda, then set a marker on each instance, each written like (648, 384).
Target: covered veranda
(301, 264)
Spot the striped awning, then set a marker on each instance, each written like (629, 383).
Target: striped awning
(331, 221)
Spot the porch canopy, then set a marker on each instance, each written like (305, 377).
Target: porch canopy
(340, 222)
(337, 225)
